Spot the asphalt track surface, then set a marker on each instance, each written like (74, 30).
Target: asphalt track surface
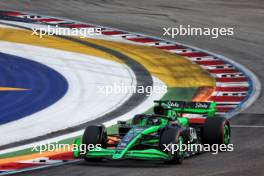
(149, 17)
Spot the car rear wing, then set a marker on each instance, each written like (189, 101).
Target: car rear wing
(189, 107)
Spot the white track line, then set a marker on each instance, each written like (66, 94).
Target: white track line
(247, 126)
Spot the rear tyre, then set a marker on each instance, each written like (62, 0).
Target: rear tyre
(216, 131)
(94, 135)
(173, 136)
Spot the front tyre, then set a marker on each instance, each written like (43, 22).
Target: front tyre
(174, 136)
(94, 135)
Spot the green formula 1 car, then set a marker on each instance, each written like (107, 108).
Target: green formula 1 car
(156, 136)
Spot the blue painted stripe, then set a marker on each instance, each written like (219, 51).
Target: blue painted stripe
(46, 87)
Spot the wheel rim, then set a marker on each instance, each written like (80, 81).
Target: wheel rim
(226, 134)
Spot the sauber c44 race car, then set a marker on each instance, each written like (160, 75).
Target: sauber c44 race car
(148, 136)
